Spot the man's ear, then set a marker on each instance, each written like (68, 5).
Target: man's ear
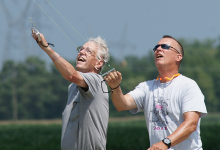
(179, 57)
(99, 64)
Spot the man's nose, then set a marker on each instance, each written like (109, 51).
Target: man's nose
(83, 51)
(159, 48)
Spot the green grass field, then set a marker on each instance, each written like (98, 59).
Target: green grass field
(123, 134)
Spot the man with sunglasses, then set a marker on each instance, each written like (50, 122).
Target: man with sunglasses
(85, 117)
(173, 104)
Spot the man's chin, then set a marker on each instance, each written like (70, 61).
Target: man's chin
(78, 68)
(81, 69)
(159, 64)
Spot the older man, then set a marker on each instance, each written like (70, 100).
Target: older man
(173, 104)
(85, 117)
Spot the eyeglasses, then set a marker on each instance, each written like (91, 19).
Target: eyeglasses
(88, 51)
(164, 46)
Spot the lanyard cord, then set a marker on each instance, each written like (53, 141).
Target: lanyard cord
(175, 75)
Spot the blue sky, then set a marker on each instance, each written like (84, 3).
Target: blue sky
(130, 27)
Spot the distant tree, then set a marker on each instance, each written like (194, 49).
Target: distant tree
(201, 64)
(7, 77)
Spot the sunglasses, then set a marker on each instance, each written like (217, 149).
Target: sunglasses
(164, 46)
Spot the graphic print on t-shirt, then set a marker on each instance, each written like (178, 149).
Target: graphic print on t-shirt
(159, 112)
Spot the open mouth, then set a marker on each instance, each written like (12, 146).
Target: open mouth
(159, 56)
(81, 59)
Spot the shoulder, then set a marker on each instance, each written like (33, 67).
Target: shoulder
(94, 82)
(146, 84)
(185, 80)
(91, 76)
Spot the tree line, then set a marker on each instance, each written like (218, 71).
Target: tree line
(29, 90)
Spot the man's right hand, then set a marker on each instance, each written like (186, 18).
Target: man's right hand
(113, 79)
(43, 40)
(120, 101)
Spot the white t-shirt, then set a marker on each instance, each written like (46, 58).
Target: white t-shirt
(164, 105)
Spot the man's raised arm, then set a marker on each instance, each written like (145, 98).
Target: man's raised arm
(120, 101)
(64, 67)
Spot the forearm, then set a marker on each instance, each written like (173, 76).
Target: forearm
(181, 133)
(122, 102)
(185, 129)
(118, 99)
(178, 136)
(64, 67)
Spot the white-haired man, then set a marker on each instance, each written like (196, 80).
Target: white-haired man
(85, 117)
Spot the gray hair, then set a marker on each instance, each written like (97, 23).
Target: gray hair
(103, 52)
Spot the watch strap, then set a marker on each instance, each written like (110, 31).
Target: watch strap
(167, 142)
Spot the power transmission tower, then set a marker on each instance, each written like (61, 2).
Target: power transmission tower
(18, 33)
(123, 44)
(15, 37)
(16, 40)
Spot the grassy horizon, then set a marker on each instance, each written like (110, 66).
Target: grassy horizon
(123, 133)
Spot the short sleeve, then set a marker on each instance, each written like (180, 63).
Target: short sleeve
(139, 95)
(93, 81)
(193, 100)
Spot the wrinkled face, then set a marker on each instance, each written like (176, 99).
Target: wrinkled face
(167, 57)
(87, 58)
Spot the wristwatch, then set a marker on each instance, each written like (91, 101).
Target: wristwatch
(167, 142)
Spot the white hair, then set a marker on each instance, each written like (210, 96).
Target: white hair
(103, 52)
